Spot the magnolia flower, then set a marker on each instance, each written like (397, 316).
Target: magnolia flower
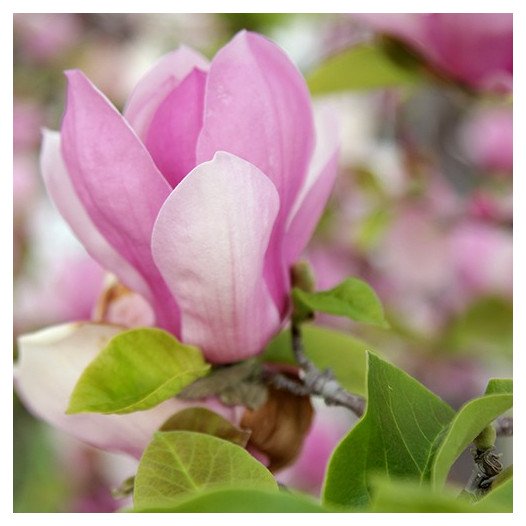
(198, 199)
(50, 363)
(474, 48)
(204, 193)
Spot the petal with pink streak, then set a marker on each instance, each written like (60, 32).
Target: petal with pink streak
(117, 182)
(50, 363)
(315, 192)
(158, 83)
(257, 107)
(173, 132)
(209, 243)
(63, 195)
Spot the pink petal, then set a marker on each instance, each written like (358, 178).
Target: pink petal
(315, 192)
(63, 195)
(117, 182)
(175, 127)
(50, 363)
(158, 83)
(257, 107)
(209, 243)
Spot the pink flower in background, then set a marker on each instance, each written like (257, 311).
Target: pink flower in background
(482, 259)
(330, 425)
(28, 118)
(44, 36)
(474, 48)
(204, 194)
(487, 139)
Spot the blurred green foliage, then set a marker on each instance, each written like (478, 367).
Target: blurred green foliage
(39, 485)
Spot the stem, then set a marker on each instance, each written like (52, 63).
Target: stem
(487, 467)
(314, 381)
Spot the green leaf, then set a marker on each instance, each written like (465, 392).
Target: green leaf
(242, 501)
(470, 420)
(179, 462)
(362, 67)
(485, 327)
(352, 298)
(499, 386)
(202, 420)
(372, 228)
(397, 437)
(327, 348)
(500, 497)
(405, 496)
(137, 370)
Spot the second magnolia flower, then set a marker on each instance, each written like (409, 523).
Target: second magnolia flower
(204, 193)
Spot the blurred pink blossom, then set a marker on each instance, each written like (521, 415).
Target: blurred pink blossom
(43, 36)
(66, 290)
(482, 258)
(474, 48)
(28, 119)
(487, 139)
(307, 473)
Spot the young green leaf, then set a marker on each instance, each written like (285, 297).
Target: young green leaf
(499, 386)
(397, 437)
(362, 67)
(176, 463)
(242, 501)
(470, 420)
(202, 420)
(138, 369)
(327, 348)
(352, 298)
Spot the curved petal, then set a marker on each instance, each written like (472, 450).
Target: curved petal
(209, 243)
(174, 129)
(257, 107)
(158, 83)
(117, 182)
(50, 363)
(67, 202)
(315, 192)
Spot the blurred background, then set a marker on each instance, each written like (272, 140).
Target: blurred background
(422, 208)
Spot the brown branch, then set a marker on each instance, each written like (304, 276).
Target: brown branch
(315, 382)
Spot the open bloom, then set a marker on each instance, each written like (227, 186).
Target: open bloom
(474, 48)
(204, 193)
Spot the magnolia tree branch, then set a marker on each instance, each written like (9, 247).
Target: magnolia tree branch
(314, 381)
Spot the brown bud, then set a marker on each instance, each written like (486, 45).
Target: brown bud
(279, 427)
(302, 276)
